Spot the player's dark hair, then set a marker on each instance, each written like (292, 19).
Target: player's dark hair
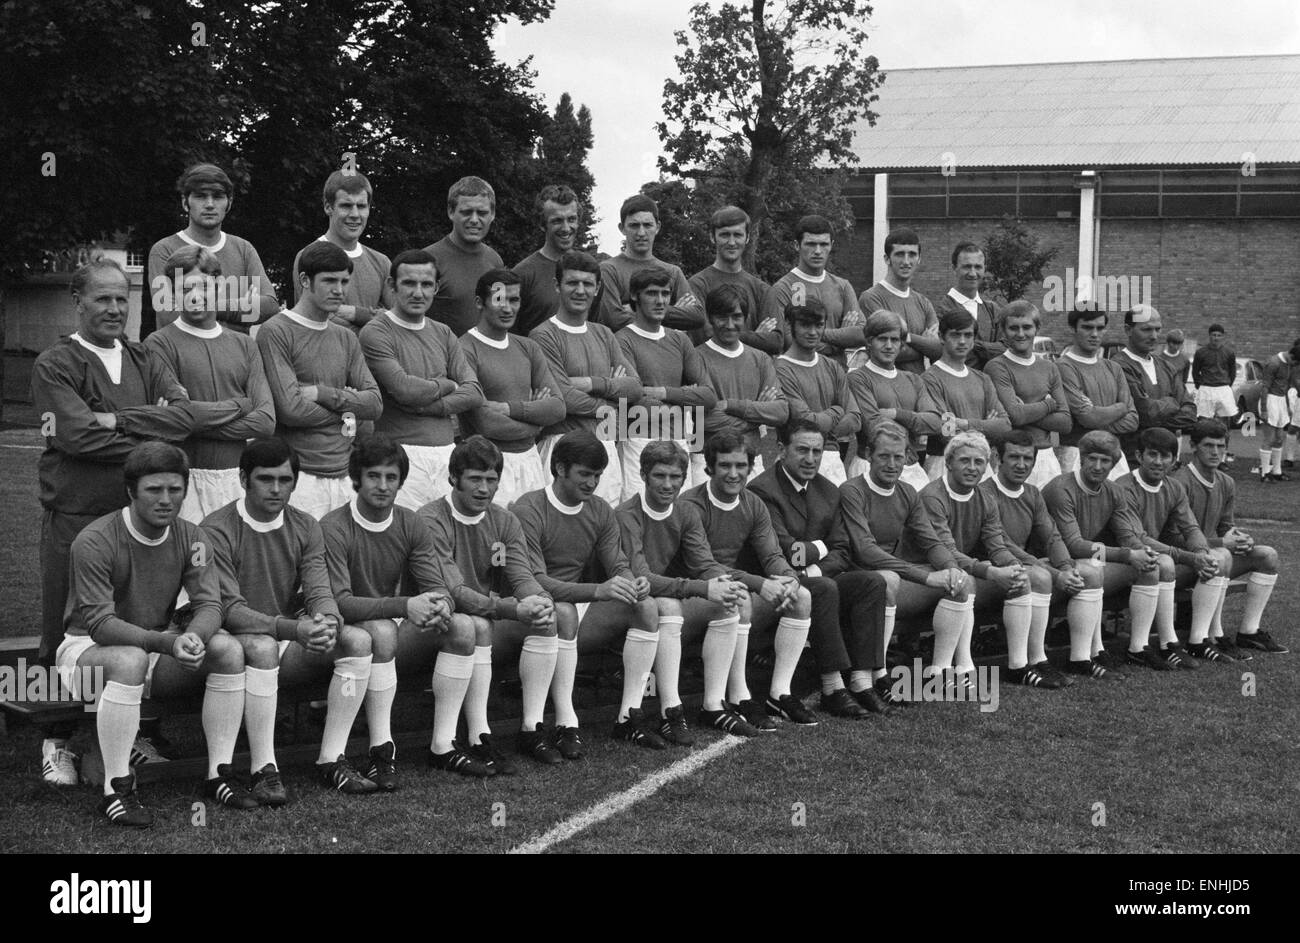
(1208, 429)
(412, 257)
(1099, 441)
(644, 278)
(575, 260)
(347, 182)
(729, 216)
(492, 277)
(267, 453)
(477, 453)
(640, 203)
(204, 175)
(723, 300)
(1086, 311)
(962, 247)
(663, 452)
(370, 451)
(579, 447)
(322, 257)
(810, 312)
(955, 321)
(1158, 439)
(723, 442)
(190, 258)
(154, 458)
(1215, 329)
(901, 237)
(811, 225)
(1019, 437)
(786, 433)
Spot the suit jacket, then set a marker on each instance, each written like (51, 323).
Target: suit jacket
(802, 518)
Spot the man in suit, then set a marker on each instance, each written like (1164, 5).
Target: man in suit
(848, 604)
(968, 274)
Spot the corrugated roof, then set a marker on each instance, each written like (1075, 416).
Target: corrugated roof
(1085, 114)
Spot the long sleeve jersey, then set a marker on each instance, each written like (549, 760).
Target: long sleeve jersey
(1098, 395)
(754, 290)
(1160, 397)
(741, 535)
(875, 388)
(367, 289)
(669, 548)
(844, 320)
(238, 259)
(922, 322)
(967, 395)
(988, 343)
(1021, 386)
(586, 351)
(889, 529)
(968, 525)
(1084, 516)
(574, 549)
(686, 312)
(738, 377)
(1211, 367)
(1166, 517)
(508, 371)
(1027, 525)
(458, 273)
(819, 390)
(1212, 501)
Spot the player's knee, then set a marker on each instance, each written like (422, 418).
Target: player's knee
(646, 614)
(224, 655)
(746, 608)
(482, 630)
(460, 635)
(383, 638)
(125, 664)
(1092, 573)
(1040, 580)
(354, 642)
(1166, 568)
(260, 651)
(802, 607)
(668, 607)
(566, 620)
(1267, 558)
(892, 583)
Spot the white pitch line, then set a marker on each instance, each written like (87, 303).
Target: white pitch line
(612, 805)
(34, 448)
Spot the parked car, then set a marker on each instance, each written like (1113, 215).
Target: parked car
(1045, 348)
(1248, 388)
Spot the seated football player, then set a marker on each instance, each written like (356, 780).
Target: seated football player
(1095, 521)
(966, 521)
(519, 392)
(489, 570)
(965, 395)
(817, 388)
(740, 533)
(571, 533)
(1030, 388)
(1033, 539)
(596, 381)
(1211, 494)
(388, 581)
(275, 592)
(889, 532)
(1169, 528)
(848, 603)
(882, 391)
(127, 569)
(749, 394)
(665, 542)
(676, 389)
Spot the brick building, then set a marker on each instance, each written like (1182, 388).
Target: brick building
(1173, 178)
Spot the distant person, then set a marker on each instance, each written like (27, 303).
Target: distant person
(638, 221)
(1174, 354)
(1281, 378)
(207, 195)
(968, 275)
(730, 230)
(1214, 370)
(560, 212)
(348, 200)
(895, 293)
(462, 256)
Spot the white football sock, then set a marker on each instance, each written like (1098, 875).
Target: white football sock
(1259, 586)
(1290, 447)
(719, 646)
(223, 712)
(791, 634)
(117, 721)
(476, 696)
(1205, 599)
(566, 670)
(1017, 612)
(832, 681)
(1277, 460)
(948, 621)
(1042, 604)
(261, 694)
(346, 693)
(380, 692)
(964, 663)
(737, 688)
(891, 617)
(1265, 461)
(1143, 599)
(1165, 614)
(638, 658)
(536, 669)
(1216, 620)
(668, 661)
(451, 674)
(1083, 613)
(859, 680)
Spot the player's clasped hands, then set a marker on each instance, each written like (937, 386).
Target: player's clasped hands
(1145, 559)
(428, 611)
(1068, 581)
(317, 633)
(780, 591)
(1207, 566)
(537, 611)
(728, 592)
(189, 651)
(1238, 541)
(620, 588)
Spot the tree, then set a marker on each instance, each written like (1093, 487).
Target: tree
(1012, 258)
(769, 93)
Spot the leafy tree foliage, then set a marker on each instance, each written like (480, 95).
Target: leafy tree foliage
(1012, 258)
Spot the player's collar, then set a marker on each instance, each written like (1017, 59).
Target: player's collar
(569, 328)
(354, 253)
(997, 480)
(467, 519)
(712, 345)
(1079, 357)
(964, 372)
(1141, 482)
(800, 274)
(894, 291)
(876, 368)
(883, 492)
(207, 333)
(306, 322)
(717, 502)
(642, 332)
(802, 363)
(139, 537)
(1142, 360)
(800, 486)
(652, 513)
(1016, 358)
(961, 299)
(499, 345)
(95, 349)
(560, 505)
(1191, 467)
(375, 527)
(262, 527)
(221, 243)
(962, 498)
(1079, 481)
(402, 322)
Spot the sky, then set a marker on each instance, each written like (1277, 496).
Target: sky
(614, 55)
